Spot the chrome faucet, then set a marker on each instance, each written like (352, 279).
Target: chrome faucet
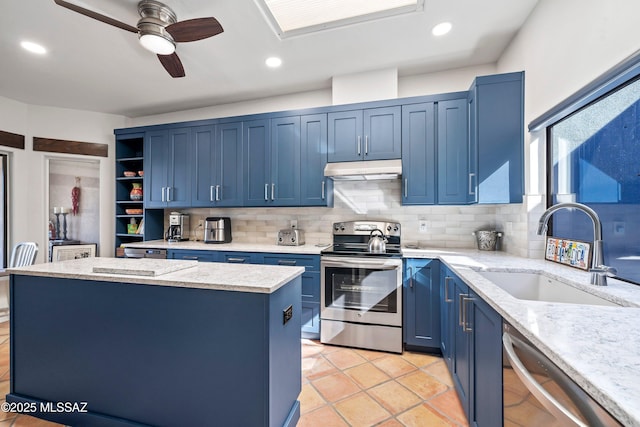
(599, 271)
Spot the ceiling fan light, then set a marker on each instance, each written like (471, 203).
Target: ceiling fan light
(157, 44)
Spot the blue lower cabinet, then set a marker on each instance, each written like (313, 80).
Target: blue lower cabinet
(421, 297)
(204, 256)
(240, 257)
(310, 288)
(472, 348)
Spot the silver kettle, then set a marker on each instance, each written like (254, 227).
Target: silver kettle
(377, 243)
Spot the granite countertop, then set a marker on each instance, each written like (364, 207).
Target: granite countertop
(309, 248)
(175, 273)
(597, 346)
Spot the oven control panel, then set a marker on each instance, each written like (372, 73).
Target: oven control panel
(366, 227)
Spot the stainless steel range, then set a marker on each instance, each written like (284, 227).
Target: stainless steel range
(361, 286)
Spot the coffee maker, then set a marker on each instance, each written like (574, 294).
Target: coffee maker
(178, 227)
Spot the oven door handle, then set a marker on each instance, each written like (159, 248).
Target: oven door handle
(547, 400)
(361, 263)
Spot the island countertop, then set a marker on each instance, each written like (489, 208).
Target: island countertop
(166, 272)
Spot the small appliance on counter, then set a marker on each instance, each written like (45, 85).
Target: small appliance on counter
(217, 230)
(290, 237)
(178, 227)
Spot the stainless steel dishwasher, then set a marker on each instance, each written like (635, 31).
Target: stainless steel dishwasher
(538, 393)
(145, 253)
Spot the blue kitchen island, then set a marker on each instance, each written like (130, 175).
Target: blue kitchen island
(126, 342)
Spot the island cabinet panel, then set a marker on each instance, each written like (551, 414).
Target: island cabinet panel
(418, 154)
(368, 134)
(421, 309)
(218, 165)
(155, 355)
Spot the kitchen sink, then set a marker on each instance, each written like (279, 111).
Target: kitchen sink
(539, 287)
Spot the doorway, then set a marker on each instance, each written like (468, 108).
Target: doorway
(64, 175)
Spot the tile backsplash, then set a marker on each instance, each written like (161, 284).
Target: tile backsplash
(447, 226)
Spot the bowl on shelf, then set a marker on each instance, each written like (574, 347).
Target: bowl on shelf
(140, 173)
(133, 211)
(129, 174)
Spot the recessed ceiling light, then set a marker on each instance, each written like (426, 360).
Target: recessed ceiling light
(273, 62)
(441, 29)
(33, 47)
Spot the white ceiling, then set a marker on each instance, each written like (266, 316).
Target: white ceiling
(96, 67)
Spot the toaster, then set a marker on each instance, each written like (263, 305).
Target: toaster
(290, 237)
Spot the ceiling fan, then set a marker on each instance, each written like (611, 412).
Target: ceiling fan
(159, 30)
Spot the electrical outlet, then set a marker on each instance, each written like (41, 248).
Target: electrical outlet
(201, 223)
(422, 226)
(293, 223)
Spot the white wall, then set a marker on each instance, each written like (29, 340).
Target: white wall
(28, 192)
(563, 46)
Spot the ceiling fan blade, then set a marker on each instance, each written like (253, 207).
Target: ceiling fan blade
(172, 64)
(96, 16)
(194, 29)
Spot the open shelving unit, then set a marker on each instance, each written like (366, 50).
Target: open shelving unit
(130, 157)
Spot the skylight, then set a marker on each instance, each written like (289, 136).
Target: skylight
(294, 17)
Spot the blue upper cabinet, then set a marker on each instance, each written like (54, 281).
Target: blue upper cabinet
(218, 165)
(452, 147)
(418, 154)
(285, 161)
(168, 163)
(369, 134)
(255, 141)
(315, 188)
(272, 162)
(498, 133)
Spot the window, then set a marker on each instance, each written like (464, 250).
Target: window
(594, 159)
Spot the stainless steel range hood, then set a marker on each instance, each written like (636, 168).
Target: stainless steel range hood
(364, 170)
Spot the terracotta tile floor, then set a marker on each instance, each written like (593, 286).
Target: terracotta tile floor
(352, 387)
(340, 387)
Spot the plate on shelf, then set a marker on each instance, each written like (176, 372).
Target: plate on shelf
(133, 211)
(129, 174)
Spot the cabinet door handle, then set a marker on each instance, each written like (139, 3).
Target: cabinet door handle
(266, 191)
(217, 193)
(359, 145)
(190, 257)
(467, 299)
(273, 191)
(366, 145)
(169, 193)
(472, 191)
(287, 262)
(163, 193)
(406, 184)
(446, 289)
(211, 193)
(461, 313)
(323, 190)
(236, 260)
(410, 277)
